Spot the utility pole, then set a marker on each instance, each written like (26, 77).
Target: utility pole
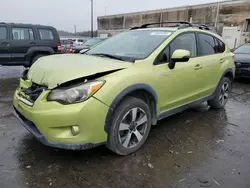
(217, 15)
(92, 26)
(75, 28)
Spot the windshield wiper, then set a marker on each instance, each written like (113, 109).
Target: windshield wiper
(114, 57)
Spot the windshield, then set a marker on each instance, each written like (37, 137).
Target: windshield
(137, 44)
(245, 49)
(92, 42)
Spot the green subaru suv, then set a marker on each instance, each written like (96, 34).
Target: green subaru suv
(118, 89)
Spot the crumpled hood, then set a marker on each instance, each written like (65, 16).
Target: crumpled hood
(54, 70)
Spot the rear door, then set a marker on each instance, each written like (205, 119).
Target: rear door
(5, 55)
(48, 37)
(22, 38)
(211, 62)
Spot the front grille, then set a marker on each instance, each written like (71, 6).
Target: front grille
(34, 91)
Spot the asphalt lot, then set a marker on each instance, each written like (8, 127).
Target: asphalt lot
(197, 148)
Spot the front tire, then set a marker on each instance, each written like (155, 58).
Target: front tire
(222, 94)
(130, 126)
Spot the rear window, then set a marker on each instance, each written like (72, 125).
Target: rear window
(46, 34)
(22, 33)
(80, 40)
(206, 44)
(3, 33)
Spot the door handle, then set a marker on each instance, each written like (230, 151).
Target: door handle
(197, 67)
(222, 60)
(165, 73)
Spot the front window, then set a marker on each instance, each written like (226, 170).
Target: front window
(185, 42)
(245, 49)
(137, 44)
(3, 33)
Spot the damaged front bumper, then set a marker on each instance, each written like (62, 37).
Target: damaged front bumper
(41, 138)
(51, 122)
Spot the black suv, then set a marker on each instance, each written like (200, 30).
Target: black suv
(23, 44)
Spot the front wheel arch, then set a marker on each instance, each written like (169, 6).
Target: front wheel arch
(141, 91)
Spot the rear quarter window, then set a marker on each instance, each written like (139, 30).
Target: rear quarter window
(219, 46)
(222, 46)
(46, 34)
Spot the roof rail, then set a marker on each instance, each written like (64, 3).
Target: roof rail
(181, 22)
(180, 25)
(202, 26)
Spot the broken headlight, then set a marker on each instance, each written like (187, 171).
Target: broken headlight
(75, 94)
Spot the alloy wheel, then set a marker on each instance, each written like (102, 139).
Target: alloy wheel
(132, 127)
(224, 93)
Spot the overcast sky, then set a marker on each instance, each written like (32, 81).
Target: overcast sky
(64, 14)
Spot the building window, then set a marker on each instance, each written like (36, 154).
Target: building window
(247, 25)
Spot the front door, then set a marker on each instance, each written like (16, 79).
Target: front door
(22, 39)
(178, 86)
(5, 55)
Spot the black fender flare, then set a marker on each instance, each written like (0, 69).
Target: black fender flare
(35, 49)
(228, 70)
(121, 96)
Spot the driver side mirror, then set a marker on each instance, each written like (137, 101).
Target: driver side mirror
(179, 56)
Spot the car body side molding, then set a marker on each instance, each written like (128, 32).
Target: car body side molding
(182, 108)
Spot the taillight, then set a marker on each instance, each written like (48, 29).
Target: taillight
(59, 47)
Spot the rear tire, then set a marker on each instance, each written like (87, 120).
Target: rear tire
(35, 58)
(221, 94)
(130, 126)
